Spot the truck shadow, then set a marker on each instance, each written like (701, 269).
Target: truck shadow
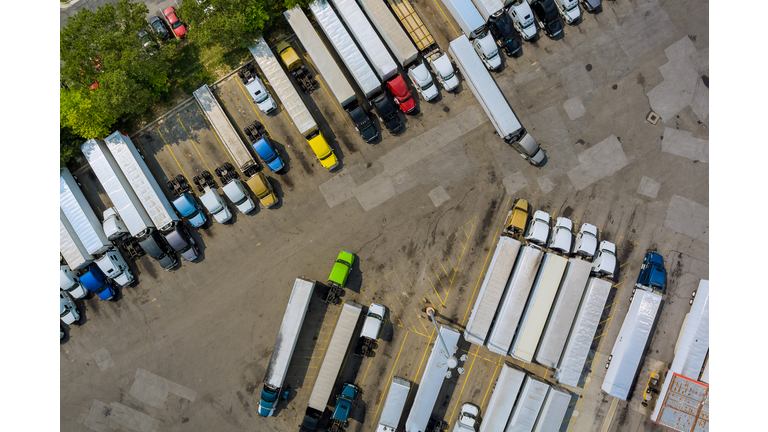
(66, 329)
(355, 280)
(440, 410)
(277, 188)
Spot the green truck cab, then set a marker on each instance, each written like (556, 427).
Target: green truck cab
(339, 274)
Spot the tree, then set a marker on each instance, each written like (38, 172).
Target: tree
(103, 47)
(69, 145)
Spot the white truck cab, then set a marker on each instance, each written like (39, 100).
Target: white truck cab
(114, 267)
(113, 226)
(259, 92)
(488, 51)
(522, 16)
(562, 236)
(529, 149)
(239, 196)
(538, 230)
(374, 320)
(69, 313)
(467, 418)
(420, 76)
(569, 10)
(605, 260)
(443, 69)
(69, 282)
(216, 206)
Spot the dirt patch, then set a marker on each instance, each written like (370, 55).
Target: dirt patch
(485, 224)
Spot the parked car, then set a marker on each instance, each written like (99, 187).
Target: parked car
(605, 261)
(652, 273)
(183, 243)
(562, 236)
(401, 95)
(69, 313)
(178, 27)
(503, 30)
(423, 80)
(586, 241)
(538, 229)
(159, 26)
(387, 114)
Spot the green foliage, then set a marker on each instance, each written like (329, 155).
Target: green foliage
(69, 145)
(80, 111)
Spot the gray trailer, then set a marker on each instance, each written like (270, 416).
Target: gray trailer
(80, 215)
(489, 8)
(528, 405)
(367, 38)
(583, 332)
(493, 102)
(492, 290)
(142, 181)
(563, 311)
(335, 354)
(72, 250)
(394, 405)
(431, 382)
(514, 300)
(553, 411)
(502, 400)
(118, 189)
(631, 344)
(466, 15)
(390, 30)
(351, 56)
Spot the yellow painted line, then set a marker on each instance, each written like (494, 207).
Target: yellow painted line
(482, 269)
(210, 127)
(607, 319)
(391, 308)
(366, 297)
(317, 74)
(598, 337)
(401, 304)
(389, 379)
(418, 371)
(466, 378)
(446, 273)
(490, 384)
(446, 19)
(198, 151)
(174, 156)
(435, 289)
(250, 101)
(366, 371)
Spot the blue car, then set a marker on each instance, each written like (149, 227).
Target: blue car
(268, 154)
(187, 206)
(652, 273)
(95, 281)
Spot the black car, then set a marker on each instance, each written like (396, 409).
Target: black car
(548, 17)
(387, 113)
(363, 124)
(159, 27)
(503, 30)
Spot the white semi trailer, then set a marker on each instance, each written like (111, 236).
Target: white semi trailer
(72, 250)
(394, 405)
(80, 215)
(503, 399)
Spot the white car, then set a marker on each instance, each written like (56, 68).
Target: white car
(467, 418)
(605, 261)
(538, 229)
(586, 241)
(443, 69)
(68, 312)
(562, 236)
(420, 76)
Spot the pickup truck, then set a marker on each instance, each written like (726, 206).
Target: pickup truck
(652, 273)
(344, 403)
(517, 218)
(339, 274)
(374, 320)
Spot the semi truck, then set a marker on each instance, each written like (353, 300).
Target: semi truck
(514, 300)
(372, 324)
(493, 102)
(529, 404)
(96, 282)
(335, 354)
(72, 250)
(287, 337)
(113, 265)
(503, 399)
(113, 225)
(431, 382)
(211, 199)
(142, 181)
(631, 344)
(293, 104)
(295, 66)
(582, 333)
(69, 282)
(492, 290)
(333, 75)
(563, 312)
(553, 410)
(542, 296)
(80, 215)
(120, 192)
(467, 16)
(344, 403)
(233, 188)
(394, 405)
(489, 8)
(389, 29)
(256, 89)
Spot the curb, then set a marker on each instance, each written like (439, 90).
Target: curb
(67, 5)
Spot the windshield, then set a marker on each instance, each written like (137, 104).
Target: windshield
(571, 6)
(66, 311)
(492, 56)
(430, 84)
(466, 414)
(447, 77)
(245, 198)
(375, 316)
(259, 99)
(177, 24)
(589, 233)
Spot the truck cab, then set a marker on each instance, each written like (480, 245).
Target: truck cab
(344, 403)
(187, 206)
(387, 114)
(293, 63)
(605, 261)
(401, 95)
(69, 282)
(517, 218)
(374, 320)
(268, 154)
(95, 280)
(363, 124)
(548, 17)
(256, 89)
(441, 66)
(180, 240)
(114, 267)
(68, 310)
(503, 30)
(158, 248)
(569, 10)
(529, 149)
(488, 52)
(114, 228)
(522, 17)
(236, 193)
(337, 280)
(467, 418)
(216, 206)
(268, 401)
(420, 76)
(652, 273)
(262, 188)
(323, 151)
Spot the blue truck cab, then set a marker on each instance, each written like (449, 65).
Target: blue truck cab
(95, 281)
(187, 206)
(268, 401)
(268, 154)
(652, 273)
(344, 403)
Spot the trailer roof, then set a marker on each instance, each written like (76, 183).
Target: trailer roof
(335, 354)
(396, 398)
(71, 249)
(390, 31)
(502, 400)
(466, 15)
(412, 22)
(282, 86)
(223, 127)
(293, 319)
(529, 404)
(553, 411)
(494, 284)
(484, 87)
(631, 343)
(683, 405)
(80, 215)
(366, 36)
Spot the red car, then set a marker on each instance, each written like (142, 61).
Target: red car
(401, 94)
(178, 28)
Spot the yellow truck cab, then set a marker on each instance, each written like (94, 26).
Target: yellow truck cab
(517, 218)
(260, 186)
(293, 63)
(322, 150)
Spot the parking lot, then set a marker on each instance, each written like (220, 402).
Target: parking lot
(188, 349)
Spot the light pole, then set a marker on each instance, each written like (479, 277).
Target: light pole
(451, 361)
